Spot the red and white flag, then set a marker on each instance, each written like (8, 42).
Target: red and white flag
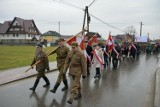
(110, 43)
(93, 40)
(77, 38)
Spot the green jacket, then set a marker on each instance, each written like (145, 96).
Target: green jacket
(77, 64)
(62, 53)
(44, 64)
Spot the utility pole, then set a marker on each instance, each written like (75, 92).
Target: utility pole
(59, 26)
(148, 38)
(141, 28)
(86, 16)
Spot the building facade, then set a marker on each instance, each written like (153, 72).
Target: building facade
(19, 31)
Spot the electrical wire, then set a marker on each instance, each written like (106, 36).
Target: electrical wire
(74, 6)
(69, 4)
(106, 23)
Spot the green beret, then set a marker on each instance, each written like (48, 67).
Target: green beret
(74, 44)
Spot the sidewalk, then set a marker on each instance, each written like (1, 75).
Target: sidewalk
(157, 88)
(7, 76)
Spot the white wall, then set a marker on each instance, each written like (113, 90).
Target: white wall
(20, 36)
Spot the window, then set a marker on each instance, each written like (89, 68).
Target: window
(13, 35)
(16, 24)
(17, 35)
(28, 35)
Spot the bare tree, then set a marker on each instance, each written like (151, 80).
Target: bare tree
(130, 30)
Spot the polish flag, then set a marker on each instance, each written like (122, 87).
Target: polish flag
(79, 38)
(93, 40)
(110, 43)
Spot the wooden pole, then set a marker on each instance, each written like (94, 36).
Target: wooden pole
(52, 52)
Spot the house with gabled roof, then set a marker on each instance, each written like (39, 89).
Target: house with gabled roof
(19, 31)
(50, 36)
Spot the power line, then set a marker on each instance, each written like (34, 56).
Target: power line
(91, 3)
(106, 23)
(74, 6)
(69, 4)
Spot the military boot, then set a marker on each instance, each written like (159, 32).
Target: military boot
(71, 99)
(47, 81)
(55, 87)
(65, 85)
(35, 85)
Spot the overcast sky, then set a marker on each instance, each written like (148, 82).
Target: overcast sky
(118, 13)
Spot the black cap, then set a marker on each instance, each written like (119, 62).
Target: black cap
(39, 45)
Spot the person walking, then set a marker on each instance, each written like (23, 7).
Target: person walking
(115, 55)
(89, 57)
(62, 53)
(77, 67)
(40, 67)
(98, 59)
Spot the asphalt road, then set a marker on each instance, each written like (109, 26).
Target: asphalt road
(131, 85)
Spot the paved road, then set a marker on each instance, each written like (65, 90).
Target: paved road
(131, 85)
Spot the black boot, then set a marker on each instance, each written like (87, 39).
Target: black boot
(55, 87)
(35, 85)
(65, 85)
(96, 73)
(47, 81)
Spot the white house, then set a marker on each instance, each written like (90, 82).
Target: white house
(19, 31)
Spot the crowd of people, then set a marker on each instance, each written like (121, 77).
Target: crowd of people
(79, 64)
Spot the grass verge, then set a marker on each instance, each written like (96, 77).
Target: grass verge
(18, 56)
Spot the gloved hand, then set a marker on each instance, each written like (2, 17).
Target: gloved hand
(48, 69)
(31, 67)
(83, 77)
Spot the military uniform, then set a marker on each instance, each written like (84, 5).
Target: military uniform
(40, 68)
(77, 67)
(61, 52)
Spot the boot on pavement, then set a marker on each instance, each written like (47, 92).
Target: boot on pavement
(35, 85)
(65, 85)
(55, 87)
(47, 81)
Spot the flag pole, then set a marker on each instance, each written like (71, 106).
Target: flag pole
(52, 51)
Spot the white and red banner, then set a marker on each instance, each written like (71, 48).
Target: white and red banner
(93, 40)
(110, 43)
(77, 38)
(80, 39)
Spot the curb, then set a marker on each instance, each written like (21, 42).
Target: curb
(157, 89)
(21, 78)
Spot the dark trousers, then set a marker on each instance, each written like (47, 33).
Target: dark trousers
(114, 62)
